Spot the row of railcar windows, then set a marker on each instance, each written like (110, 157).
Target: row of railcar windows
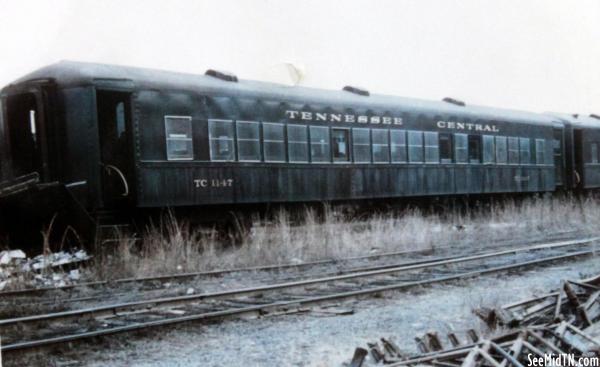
(250, 141)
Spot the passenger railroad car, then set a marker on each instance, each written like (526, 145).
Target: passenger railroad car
(121, 137)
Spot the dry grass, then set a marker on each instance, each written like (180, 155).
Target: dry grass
(175, 247)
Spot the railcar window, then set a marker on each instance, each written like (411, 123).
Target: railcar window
(594, 153)
(32, 124)
(221, 140)
(398, 146)
(488, 149)
(432, 148)
(248, 141)
(525, 150)
(273, 142)
(361, 145)
(381, 146)
(501, 150)
(540, 151)
(297, 143)
(513, 150)
(461, 148)
(319, 144)
(120, 117)
(415, 146)
(474, 149)
(446, 148)
(340, 138)
(178, 130)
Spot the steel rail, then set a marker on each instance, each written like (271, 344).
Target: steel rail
(265, 307)
(220, 272)
(330, 273)
(115, 308)
(206, 273)
(337, 273)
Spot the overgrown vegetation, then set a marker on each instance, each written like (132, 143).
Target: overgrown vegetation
(173, 246)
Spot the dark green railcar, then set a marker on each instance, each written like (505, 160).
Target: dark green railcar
(119, 137)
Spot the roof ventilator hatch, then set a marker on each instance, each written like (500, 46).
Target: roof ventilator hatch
(223, 75)
(356, 90)
(454, 101)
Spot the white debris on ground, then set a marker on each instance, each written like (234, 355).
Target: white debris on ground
(42, 270)
(6, 257)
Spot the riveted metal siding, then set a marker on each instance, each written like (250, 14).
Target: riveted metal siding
(170, 185)
(164, 183)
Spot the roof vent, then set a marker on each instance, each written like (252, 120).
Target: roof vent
(594, 116)
(223, 75)
(576, 115)
(356, 90)
(454, 101)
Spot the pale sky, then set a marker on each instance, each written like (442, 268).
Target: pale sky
(533, 55)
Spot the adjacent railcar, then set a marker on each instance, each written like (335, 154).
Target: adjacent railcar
(121, 137)
(582, 142)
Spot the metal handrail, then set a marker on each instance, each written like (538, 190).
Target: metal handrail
(109, 167)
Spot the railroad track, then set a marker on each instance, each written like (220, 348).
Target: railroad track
(69, 297)
(68, 326)
(153, 280)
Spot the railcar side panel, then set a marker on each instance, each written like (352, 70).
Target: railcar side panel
(200, 181)
(167, 185)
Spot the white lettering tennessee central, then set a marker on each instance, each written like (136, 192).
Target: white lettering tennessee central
(343, 118)
(454, 125)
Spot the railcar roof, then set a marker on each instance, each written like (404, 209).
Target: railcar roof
(70, 73)
(577, 120)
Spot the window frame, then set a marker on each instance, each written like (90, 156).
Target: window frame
(521, 151)
(167, 138)
(233, 138)
(399, 132)
(368, 145)
(450, 140)
(293, 142)
(436, 139)
(537, 151)
(348, 145)
(258, 140)
(485, 140)
(373, 144)
(421, 146)
(283, 141)
(327, 141)
(464, 148)
(479, 139)
(505, 158)
(518, 150)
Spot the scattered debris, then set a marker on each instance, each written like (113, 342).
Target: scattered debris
(561, 324)
(6, 257)
(359, 357)
(54, 269)
(74, 274)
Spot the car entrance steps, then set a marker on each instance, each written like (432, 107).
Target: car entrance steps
(112, 227)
